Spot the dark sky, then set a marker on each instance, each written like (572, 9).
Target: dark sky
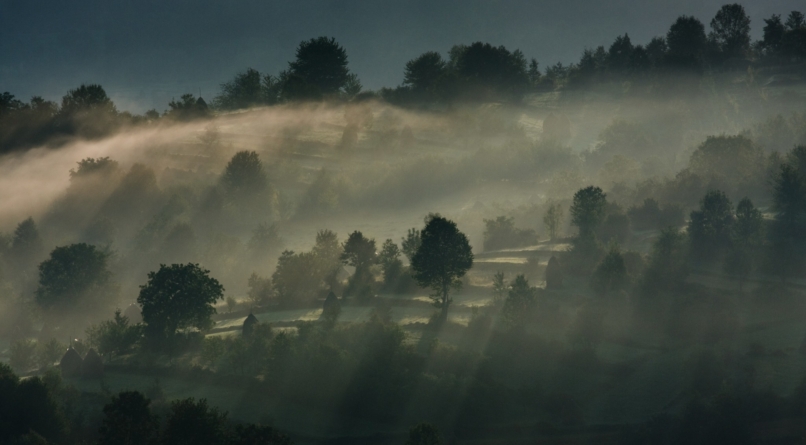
(146, 51)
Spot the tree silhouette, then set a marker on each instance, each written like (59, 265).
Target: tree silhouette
(709, 228)
(730, 30)
(443, 258)
(128, 421)
(321, 63)
(611, 273)
(177, 297)
(194, 423)
(245, 90)
(244, 175)
(424, 434)
(588, 210)
(71, 274)
(686, 43)
(423, 73)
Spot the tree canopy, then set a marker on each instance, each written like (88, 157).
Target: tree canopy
(444, 256)
(71, 274)
(322, 64)
(179, 296)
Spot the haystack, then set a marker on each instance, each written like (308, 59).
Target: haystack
(249, 325)
(93, 367)
(71, 363)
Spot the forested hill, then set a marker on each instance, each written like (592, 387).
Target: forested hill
(146, 52)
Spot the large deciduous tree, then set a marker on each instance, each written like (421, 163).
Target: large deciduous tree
(442, 260)
(73, 275)
(709, 228)
(730, 30)
(128, 421)
(178, 296)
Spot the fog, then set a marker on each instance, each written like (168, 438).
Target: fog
(492, 250)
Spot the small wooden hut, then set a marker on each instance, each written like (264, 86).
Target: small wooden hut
(93, 366)
(71, 363)
(249, 325)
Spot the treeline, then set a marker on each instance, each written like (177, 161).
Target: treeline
(475, 72)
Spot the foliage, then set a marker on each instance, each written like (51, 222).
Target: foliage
(709, 228)
(499, 288)
(611, 273)
(500, 233)
(424, 434)
(410, 243)
(553, 219)
(21, 355)
(128, 421)
(48, 353)
(194, 423)
(321, 63)
(295, 280)
(178, 296)
(28, 407)
(244, 175)
(686, 42)
(730, 30)
(187, 108)
(520, 301)
(667, 268)
(114, 337)
(588, 210)
(443, 258)
(73, 275)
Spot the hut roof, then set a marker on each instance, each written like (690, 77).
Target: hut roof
(93, 366)
(71, 363)
(134, 314)
(251, 319)
(331, 300)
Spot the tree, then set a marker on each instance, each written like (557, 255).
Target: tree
(87, 98)
(499, 287)
(746, 239)
(588, 210)
(389, 259)
(787, 244)
(686, 43)
(500, 233)
(424, 434)
(410, 243)
(26, 247)
(620, 54)
(611, 274)
(194, 423)
(28, 408)
(128, 421)
(487, 72)
(327, 255)
(188, 107)
(244, 175)
(730, 30)
(321, 63)
(667, 269)
(72, 275)
(179, 296)
(709, 228)
(295, 278)
(247, 89)
(443, 258)
(359, 252)
(424, 73)
(553, 219)
(774, 31)
(520, 300)
(114, 336)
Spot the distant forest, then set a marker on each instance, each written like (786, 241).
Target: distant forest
(674, 62)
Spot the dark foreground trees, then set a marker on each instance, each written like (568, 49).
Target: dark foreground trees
(443, 258)
(178, 296)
